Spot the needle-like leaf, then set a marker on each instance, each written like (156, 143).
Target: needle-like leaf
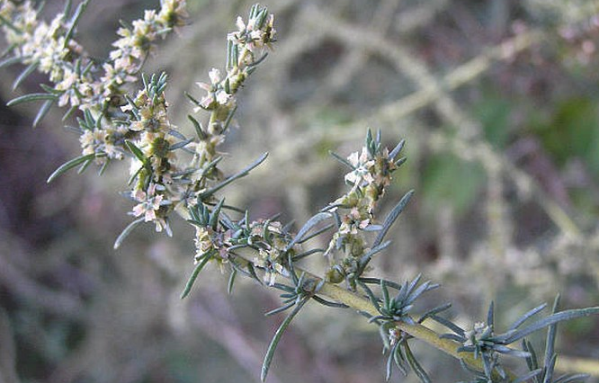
(277, 337)
(70, 165)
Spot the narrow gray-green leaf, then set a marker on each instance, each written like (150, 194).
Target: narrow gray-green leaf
(385, 292)
(69, 165)
(29, 70)
(550, 344)
(277, 337)
(69, 113)
(389, 367)
(229, 63)
(317, 233)
(234, 177)
(434, 311)
(526, 377)
(368, 256)
(214, 216)
(231, 281)
(193, 100)
(229, 118)
(74, 21)
(550, 368)
(531, 361)
(572, 378)
(31, 97)
(416, 367)
(67, 8)
(396, 150)
(280, 309)
(315, 220)
(9, 61)
(449, 324)
(526, 316)
(51, 90)
(136, 151)
(399, 359)
(180, 144)
(491, 315)
(85, 165)
(548, 321)
(342, 160)
(7, 50)
(306, 254)
(7, 23)
(125, 233)
(43, 111)
(324, 302)
(392, 217)
(194, 275)
(198, 127)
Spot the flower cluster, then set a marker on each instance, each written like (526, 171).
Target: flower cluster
(272, 242)
(103, 144)
(136, 42)
(37, 42)
(150, 204)
(80, 82)
(217, 237)
(257, 33)
(246, 49)
(116, 124)
(208, 240)
(476, 337)
(370, 174)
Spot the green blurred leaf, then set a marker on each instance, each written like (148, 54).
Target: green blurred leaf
(573, 132)
(493, 112)
(449, 180)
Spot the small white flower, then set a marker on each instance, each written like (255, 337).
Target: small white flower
(215, 76)
(361, 175)
(149, 203)
(240, 23)
(223, 97)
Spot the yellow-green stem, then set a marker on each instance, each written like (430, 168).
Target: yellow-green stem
(360, 303)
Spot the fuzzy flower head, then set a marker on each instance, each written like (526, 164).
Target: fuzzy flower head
(23, 17)
(74, 88)
(478, 334)
(151, 118)
(258, 32)
(215, 242)
(272, 240)
(136, 43)
(106, 143)
(271, 234)
(173, 13)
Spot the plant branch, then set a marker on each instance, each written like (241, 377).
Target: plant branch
(362, 304)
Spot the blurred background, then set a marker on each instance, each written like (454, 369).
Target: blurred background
(498, 101)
